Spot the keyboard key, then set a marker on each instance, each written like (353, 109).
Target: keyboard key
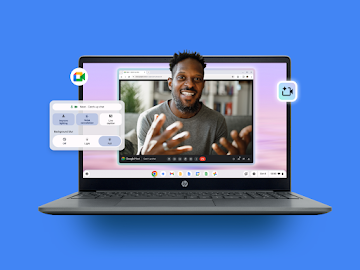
(84, 196)
(265, 195)
(170, 197)
(204, 197)
(109, 197)
(277, 196)
(255, 195)
(246, 197)
(289, 196)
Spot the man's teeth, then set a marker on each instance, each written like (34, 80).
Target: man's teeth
(188, 94)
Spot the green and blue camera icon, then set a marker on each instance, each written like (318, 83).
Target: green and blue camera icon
(287, 91)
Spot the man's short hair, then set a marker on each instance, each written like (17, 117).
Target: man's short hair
(182, 56)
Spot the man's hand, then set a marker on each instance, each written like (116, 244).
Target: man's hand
(154, 140)
(239, 144)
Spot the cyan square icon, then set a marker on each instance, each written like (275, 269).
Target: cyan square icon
(287, 91)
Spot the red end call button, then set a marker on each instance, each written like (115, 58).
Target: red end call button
(202, 158)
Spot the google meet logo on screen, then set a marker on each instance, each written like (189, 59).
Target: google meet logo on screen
(79, 76)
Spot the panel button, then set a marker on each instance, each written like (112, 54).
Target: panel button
(87, 119)
(110, 119)
(63, 119)
(109, 141)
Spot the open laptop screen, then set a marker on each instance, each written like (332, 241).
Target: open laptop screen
(233, 96)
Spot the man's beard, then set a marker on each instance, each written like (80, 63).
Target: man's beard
(182, 107)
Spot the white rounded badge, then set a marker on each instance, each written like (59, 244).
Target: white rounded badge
(79, 76)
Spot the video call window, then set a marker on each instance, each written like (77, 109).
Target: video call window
(224, 104)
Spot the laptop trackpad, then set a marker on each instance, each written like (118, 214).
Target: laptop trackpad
(166, 203)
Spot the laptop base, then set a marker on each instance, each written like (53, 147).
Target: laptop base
(68, 206)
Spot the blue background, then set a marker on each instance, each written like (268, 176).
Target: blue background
(40, 45)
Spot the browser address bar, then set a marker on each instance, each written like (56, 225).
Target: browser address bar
(133, 72)
(145, 76)
(150, 76)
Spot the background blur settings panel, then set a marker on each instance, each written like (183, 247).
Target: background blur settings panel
(244, 94)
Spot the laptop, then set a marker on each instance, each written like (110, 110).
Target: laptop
(202, 135)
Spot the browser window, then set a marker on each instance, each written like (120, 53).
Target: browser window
(227, 95)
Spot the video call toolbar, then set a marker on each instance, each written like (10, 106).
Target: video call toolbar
(186, 159)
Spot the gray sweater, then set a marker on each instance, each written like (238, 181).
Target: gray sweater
(205, 128)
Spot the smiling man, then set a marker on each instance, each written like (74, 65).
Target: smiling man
(200, 125)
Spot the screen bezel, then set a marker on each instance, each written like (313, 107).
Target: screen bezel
(280, 184)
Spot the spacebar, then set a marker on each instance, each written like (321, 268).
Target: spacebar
(153, 197)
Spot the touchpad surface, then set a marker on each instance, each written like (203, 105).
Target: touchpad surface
(166, 203)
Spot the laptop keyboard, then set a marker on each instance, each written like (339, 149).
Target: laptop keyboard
(183, 195)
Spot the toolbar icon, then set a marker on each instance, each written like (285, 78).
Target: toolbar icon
(287, 91)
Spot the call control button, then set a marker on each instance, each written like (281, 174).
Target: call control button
(109, 141)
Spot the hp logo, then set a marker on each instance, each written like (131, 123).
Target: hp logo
(184, 183)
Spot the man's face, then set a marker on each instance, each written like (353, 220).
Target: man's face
(187, 84)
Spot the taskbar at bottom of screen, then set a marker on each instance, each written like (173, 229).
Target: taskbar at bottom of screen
(184, 173)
